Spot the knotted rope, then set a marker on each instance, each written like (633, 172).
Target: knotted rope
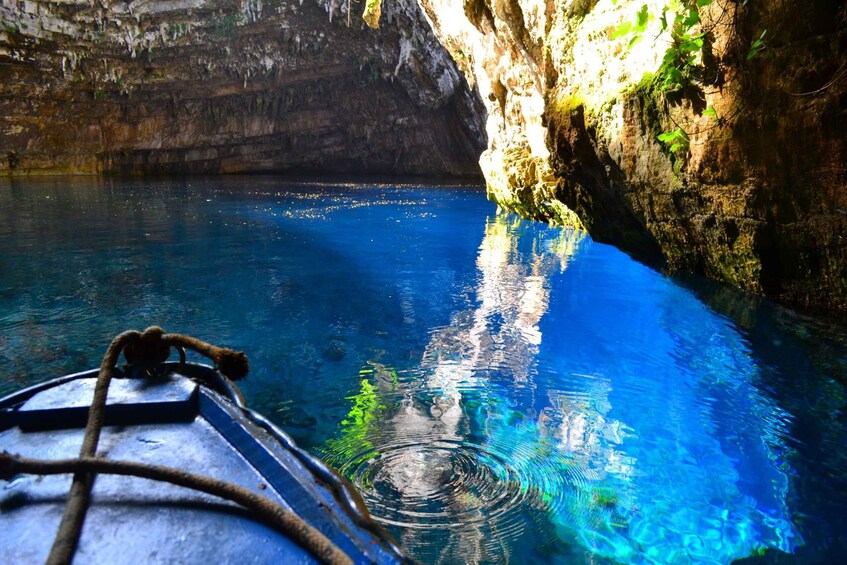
(150, 348)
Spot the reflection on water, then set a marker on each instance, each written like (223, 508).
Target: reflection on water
(466, 472)
(500, 390)
(417, 463)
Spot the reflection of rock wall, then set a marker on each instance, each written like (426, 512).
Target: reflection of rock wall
(500, 335)
(233, 86)
(759, 200)
(502, 332)
(407, 444)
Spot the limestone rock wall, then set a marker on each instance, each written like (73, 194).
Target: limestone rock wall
(758, 195)
(218, 86)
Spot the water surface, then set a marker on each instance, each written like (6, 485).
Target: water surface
(498, 389)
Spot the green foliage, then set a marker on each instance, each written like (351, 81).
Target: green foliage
(682, 63)
(636, 29)
(757, 46)
(681, 18)
(676, 140)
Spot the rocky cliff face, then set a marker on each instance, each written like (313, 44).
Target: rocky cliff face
(185, 86)
(752, 192)
(753, 188)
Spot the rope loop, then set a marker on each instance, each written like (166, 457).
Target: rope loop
(153, 346)
(148, 349)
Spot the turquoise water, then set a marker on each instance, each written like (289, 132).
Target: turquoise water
(498, 389)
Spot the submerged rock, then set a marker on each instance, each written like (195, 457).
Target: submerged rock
(335, 350)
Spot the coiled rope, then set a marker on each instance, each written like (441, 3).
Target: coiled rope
(152, 347)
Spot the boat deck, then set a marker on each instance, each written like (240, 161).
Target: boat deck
(171, 421)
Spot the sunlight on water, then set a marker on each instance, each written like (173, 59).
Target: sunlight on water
(449, 450)
(499, 390)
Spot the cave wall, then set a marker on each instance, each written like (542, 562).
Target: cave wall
(200, 86)
(556, 98)
(757, 197)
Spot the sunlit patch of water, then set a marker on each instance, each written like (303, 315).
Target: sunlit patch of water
(449, 451)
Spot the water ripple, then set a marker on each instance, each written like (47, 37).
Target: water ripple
(441, 485)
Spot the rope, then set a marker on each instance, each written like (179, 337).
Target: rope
(67, 537)
(264, 508)
(150, 348)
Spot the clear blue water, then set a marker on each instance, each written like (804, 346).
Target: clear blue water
(498, 389)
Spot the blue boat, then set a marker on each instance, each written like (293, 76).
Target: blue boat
(181, 472)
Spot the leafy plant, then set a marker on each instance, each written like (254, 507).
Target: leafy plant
(636, 29)
(757, 46)
(681, 62)
(676, 140)
(682, 68)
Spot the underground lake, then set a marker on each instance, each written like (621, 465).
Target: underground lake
(498, 389)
